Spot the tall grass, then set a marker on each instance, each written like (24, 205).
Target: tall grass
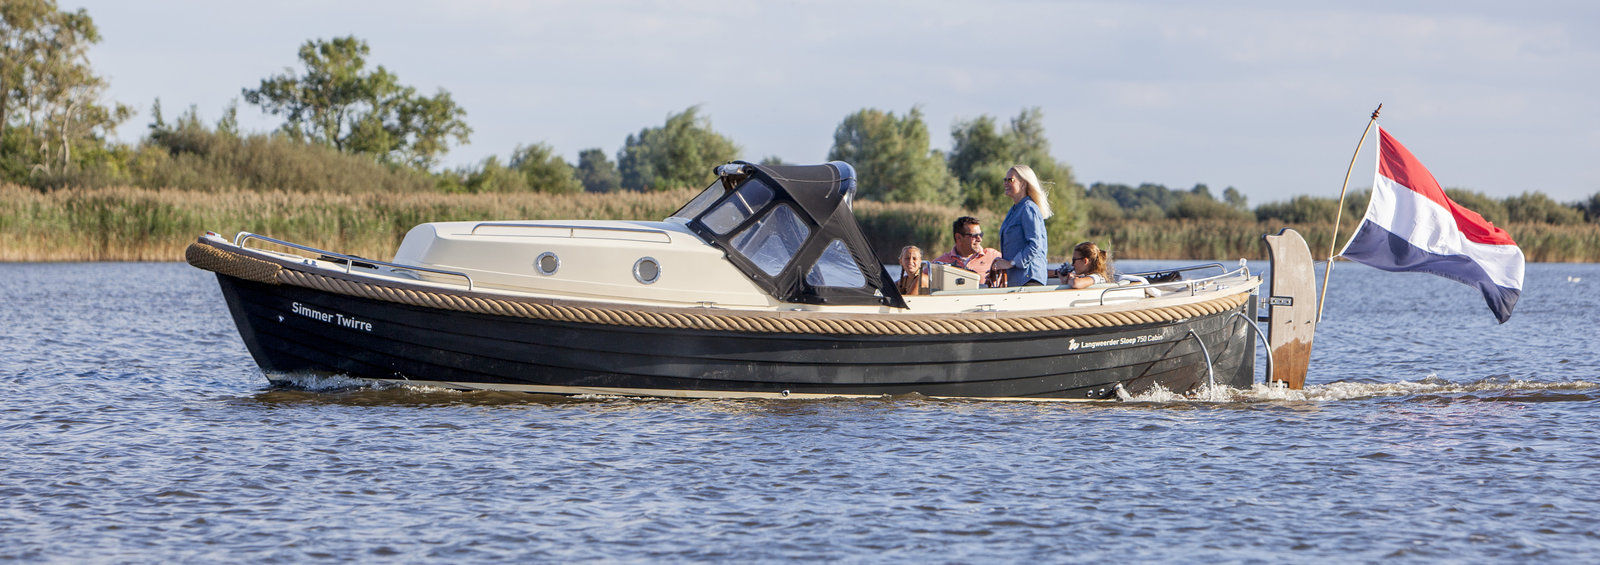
(1218, 239)
(133, 224)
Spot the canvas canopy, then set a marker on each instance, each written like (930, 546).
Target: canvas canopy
(792, 230)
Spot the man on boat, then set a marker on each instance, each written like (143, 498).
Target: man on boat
(969, 252)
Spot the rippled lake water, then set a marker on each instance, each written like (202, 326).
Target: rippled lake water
(135, 427)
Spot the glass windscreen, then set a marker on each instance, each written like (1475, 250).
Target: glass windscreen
(773, 240)
(701, 201)
(836, 268)
(738, 207)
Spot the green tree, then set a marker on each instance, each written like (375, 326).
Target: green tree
(1536, 207)
(544, 170)
(1300, 210)
(1198, 203)
(1103, 212)
(1591, 208)
(1202, 206)
(681, 153)
(1313, 209)
(1145, 196)
(337, 102)
(1235, 199)
(51, 117)
(490, 176)
(597, 172)
(892, 157)
(187, 154)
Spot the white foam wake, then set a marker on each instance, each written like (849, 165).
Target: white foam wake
(1353, 390)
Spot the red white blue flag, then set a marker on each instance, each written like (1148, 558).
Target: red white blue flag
(1411, 225)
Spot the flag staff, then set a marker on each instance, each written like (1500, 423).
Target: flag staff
(1339, 213)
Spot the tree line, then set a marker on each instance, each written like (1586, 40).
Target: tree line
(352, 127)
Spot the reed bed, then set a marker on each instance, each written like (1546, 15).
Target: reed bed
(1221, 239)
(134, 224)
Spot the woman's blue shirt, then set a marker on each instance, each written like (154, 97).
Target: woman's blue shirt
(1023, 243)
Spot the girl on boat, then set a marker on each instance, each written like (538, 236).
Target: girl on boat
(911, 280)
(1090, 266)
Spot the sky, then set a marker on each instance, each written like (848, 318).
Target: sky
(1269, 97)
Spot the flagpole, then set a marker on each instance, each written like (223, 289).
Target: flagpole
(1339, 213)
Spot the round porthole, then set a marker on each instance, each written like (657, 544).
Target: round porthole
(547, 263)
(646, 270)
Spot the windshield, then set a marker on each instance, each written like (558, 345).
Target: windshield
(836, 268)
(738, 207)
(773, 240)
(701, 201)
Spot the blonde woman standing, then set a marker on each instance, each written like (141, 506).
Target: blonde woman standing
(1023, 243)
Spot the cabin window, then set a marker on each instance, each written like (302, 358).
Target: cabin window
(773, 240)
(701, 202)
(836, 267)
(738, 207)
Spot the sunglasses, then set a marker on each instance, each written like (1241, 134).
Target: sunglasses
(976, 235)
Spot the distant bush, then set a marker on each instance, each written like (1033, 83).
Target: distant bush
(1102, 211)
(1204, 207)
(1299, 210)
(191, 156)
(1535, 207)
(1312, 210)
(1590, 208)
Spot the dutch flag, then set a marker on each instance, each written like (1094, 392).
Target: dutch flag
(1411, 225)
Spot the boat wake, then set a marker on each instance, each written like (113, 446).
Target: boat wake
(1491, 389)
(312, 382)
(1486, 389)
(316, 383)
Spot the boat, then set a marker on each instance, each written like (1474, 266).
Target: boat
(761, 286)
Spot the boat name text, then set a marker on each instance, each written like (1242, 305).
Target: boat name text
(1074, 344)
(339, 319)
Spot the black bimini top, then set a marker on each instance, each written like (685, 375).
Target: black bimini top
(792, 230)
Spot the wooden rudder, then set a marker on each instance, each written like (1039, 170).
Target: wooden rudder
(1291, 307)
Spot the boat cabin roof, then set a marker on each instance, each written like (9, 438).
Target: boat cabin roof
(792, 230)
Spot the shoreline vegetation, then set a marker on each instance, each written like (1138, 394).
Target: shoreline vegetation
(138, 224)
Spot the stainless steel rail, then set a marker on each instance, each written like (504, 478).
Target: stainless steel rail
(1193, 286)
(1266, 344)
(349, 260)
(567, 227)
(1211, 376)
(1217, 266)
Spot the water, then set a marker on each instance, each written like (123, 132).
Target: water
(135, 427)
